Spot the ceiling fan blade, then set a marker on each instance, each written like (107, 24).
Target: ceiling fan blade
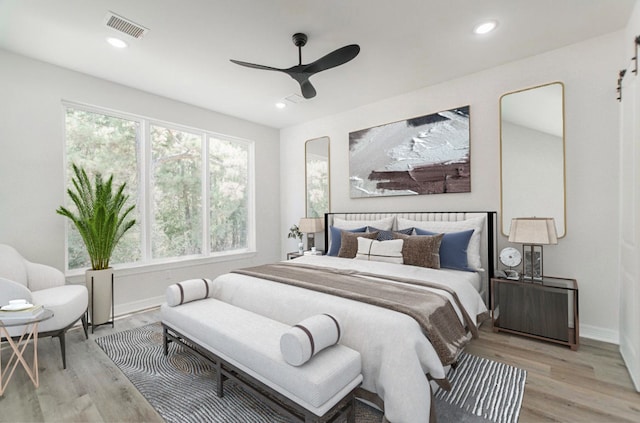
(307, 89)
(335, 58)
(254, 66)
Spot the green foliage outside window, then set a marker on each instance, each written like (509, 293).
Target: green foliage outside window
(228, 175)
(177, 192)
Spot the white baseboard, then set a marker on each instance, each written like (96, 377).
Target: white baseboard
(632, 361)
(136, 306)
(600, 334)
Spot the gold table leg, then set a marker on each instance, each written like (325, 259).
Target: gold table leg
(17, 355)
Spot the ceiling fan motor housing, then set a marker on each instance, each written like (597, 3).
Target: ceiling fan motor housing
(299, 39)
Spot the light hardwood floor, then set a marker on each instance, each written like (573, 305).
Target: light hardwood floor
(588, 385)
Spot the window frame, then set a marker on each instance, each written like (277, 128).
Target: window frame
(145, 205)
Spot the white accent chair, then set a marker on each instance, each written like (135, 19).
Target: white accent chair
(41, 284)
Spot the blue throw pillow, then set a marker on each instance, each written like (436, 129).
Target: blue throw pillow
(388, 235)
(453, 249)
(336, 238)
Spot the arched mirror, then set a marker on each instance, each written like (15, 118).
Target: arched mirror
(317, 177)
(532, 155)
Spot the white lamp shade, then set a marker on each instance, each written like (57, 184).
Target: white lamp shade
(311, 225)
(533, 230)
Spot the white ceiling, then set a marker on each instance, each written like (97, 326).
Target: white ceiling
(405, 45)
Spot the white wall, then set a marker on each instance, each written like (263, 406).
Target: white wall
(32, 172)
(630, 209)
(589, 252)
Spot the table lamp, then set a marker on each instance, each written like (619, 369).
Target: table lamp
(533, 233)
(311, 226)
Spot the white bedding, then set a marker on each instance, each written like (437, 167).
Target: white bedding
(395, 353)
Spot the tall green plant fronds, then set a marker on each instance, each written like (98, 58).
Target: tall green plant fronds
(101, 218)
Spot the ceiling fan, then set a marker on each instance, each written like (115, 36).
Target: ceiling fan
(302, 73)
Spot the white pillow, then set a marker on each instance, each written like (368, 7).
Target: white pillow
(387, 251)
(189, 290)
(384, 224)
(441, 226)
(304, 340)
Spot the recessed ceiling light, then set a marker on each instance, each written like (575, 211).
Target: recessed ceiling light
(485, 27)
(116, 42)
(281, 105)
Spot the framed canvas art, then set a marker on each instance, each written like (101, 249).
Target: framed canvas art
(423, 155)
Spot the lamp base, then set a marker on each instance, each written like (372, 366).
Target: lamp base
(532, 254)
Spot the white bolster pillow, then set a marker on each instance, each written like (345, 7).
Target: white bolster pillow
(304, 340)
(189, 290)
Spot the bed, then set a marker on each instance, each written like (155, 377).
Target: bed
(398, 360)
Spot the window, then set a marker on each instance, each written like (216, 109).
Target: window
(191, 188)
(176, 180)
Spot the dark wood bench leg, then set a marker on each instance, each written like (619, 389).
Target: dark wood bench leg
(165, 341)
(62, 349)
(219, 380)
(351, 413)
(85, 325)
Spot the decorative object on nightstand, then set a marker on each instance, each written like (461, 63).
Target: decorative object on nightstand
(313, 252)
(511, 257)
(547, 310)
(533, 233)
(294, 232)
(311, 226)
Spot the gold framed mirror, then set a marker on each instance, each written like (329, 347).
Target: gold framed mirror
(532, 155)
(317, 177)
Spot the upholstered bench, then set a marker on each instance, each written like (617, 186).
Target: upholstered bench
(246, 348)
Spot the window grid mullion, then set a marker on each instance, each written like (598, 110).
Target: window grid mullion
(147, 169)
(206, 227)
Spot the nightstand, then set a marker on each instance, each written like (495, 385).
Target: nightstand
(545, 309)
(294, 254)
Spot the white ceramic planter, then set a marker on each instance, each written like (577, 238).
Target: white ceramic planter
(100, 292)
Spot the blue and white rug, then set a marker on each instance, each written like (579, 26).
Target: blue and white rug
(181, 387)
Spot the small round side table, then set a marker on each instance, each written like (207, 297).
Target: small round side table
(18, 346)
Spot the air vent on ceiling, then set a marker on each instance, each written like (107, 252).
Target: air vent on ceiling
(125, 26)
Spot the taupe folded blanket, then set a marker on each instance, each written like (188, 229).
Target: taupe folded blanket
(433, 312)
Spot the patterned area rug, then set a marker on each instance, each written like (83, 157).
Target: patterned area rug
(181, 387)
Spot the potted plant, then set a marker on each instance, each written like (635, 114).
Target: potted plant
(101, 220)
(294, 232)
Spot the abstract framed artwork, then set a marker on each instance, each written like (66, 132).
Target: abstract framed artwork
(424, 155)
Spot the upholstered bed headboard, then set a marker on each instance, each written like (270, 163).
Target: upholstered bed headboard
(488, 244)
